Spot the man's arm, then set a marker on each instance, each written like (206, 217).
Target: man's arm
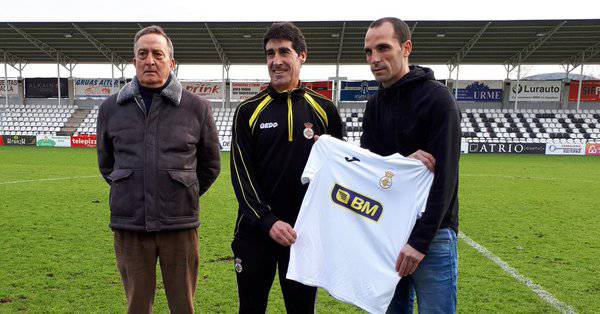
(247, 191)
(444, 144)
(208, 155)
(104, 147)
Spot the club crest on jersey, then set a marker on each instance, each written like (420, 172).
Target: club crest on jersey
(308, 131)
(238, 265)
(356, 202)
(386, 181)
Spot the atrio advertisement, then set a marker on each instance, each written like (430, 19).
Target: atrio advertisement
(507, 148)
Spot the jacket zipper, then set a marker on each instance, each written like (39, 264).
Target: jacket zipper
(290, 118)
(237, 227)
(144, 173)
(142, 108)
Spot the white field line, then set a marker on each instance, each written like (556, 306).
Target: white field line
(49, 179)
(537, 289)
(525, 178)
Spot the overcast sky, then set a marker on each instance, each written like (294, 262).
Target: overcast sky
(308, 10)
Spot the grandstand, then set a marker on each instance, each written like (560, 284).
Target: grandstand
(477, 125)
(88, 125)
(33, 119)
(566, 115)
(530, 126)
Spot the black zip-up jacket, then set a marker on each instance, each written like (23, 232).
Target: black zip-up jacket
(417, 112)
(271, 142)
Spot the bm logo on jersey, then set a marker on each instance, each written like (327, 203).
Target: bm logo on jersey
(356, 202)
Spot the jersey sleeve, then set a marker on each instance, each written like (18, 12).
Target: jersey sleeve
(316, 159)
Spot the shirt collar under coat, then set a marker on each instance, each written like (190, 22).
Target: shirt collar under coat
(281, 95)
(172, 91)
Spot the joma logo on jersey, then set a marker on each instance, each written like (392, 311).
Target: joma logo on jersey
(356, 202)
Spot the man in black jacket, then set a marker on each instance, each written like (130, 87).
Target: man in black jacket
(158, 150)
(416, 116)
(273, 133)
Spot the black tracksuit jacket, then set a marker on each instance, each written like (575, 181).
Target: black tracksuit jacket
(269, 149)
(417, 112)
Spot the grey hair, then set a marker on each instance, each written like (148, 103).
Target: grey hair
(154, 29)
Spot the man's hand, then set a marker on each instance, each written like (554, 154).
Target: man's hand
(408, 260)
(424, 157)
(315, 137)
(282, 233)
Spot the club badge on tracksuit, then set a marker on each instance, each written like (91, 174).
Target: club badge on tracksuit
(238, 265)
(308, 131)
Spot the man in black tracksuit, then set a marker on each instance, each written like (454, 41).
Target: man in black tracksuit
(273, 133)
(416, 116)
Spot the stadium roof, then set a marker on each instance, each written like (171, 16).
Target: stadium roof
(435, 42)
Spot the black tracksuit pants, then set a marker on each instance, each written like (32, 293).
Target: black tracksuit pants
(256, 257)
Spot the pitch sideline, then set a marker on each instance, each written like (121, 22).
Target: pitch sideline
(537, 289)
(49, 179)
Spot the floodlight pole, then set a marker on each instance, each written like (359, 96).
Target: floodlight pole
(337, 82)
(567, 72)
(112, 73)
(518, 82)
(456, 83)
(5, 81)
(58, 80)
(580, 83)
(337, 85)
(223, 84)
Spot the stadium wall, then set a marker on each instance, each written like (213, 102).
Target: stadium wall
(550, 148)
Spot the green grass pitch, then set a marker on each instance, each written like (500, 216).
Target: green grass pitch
(539, 214)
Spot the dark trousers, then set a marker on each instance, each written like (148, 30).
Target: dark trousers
(256, 257)
(177, 251)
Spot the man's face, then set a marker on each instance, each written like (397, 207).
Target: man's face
(284, 64)
(387, 58)
(152, 61)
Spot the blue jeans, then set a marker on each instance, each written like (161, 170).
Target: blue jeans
(434, 281)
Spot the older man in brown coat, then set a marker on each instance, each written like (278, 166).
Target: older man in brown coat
(158, 150)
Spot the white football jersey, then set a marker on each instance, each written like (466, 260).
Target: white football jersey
(357, 214)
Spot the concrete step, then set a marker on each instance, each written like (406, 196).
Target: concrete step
(74, 121)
